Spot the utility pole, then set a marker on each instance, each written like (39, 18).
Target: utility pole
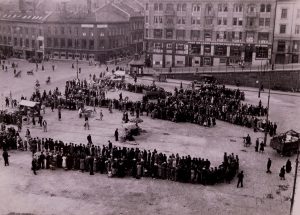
(295, 181)
(272, 70)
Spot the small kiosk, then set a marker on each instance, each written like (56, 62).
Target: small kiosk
(137, 66)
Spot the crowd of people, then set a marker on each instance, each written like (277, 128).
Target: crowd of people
(118, 161)
(200, 106)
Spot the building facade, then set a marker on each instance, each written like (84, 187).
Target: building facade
(209, 32)
(21, 35)
(287, 32)
(112, 31)
(103, 35)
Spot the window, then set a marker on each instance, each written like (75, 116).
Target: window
(220, 50)
(224, 21)
(160, 19)
(160, 7)
(147, 6)
(298, 13)
(220, 7)
(209, 10)
(251, 8)
(282, 29)
(70, 44)
(262, 8)
(62, 30)
(169, 33)
(281, 46)
(234, 21)
(261, 21)
(267, 22)
(184, 7)
(283, 13)
(155, 19)
(240, 21)
(146, 19)
(219, 21)
(208, 21)
(156, 7)
(180, 34)
(297, 29)
(170, 7)
(261, 52)
(268, 8)
(55, 42)
(83, 43)
(195, 49)
(62, 42)
(91, 44)
(195, 34)
(33, 44)
(237, 8)
(157, 33)
(263, 37)
(15, 41)
(207, 36)
(196, 8)
(49, 42)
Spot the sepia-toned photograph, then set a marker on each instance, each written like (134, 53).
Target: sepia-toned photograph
(149, 107)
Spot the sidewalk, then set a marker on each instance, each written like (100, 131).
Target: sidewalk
(249, 89)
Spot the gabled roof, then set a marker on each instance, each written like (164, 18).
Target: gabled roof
(128, 9)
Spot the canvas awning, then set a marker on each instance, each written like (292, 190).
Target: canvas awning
(28, 103)
(119, 73)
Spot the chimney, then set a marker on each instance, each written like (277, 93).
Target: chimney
(22, 6)
(89, 6)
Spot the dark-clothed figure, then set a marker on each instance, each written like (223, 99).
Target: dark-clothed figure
(240, 179)
(269, 166)
(116, 135)
(288, 166)
(282, 173)
(33, 165)
(5, 157)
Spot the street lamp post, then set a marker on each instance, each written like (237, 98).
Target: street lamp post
(268, 107)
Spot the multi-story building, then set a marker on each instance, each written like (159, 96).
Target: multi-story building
(110, 31)
(22, 35)
(287, 32)
(208, 32)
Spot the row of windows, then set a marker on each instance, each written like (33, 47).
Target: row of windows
(208, 21)
(221, 7)
(84, 43)
(86, 32)
(284, 13)
(196, 34)
(20, 30)
(283, 30)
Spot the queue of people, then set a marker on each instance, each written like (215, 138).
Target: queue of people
(200, 106)
(122, 161)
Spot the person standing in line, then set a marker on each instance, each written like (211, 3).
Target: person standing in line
(116, 135)
(33, 166)
(269, 163)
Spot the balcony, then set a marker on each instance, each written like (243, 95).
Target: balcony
(251, 27)
(251, 14)
(210, 14)
(169, 13)
(170, 25)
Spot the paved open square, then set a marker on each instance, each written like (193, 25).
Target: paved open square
(73, 192)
